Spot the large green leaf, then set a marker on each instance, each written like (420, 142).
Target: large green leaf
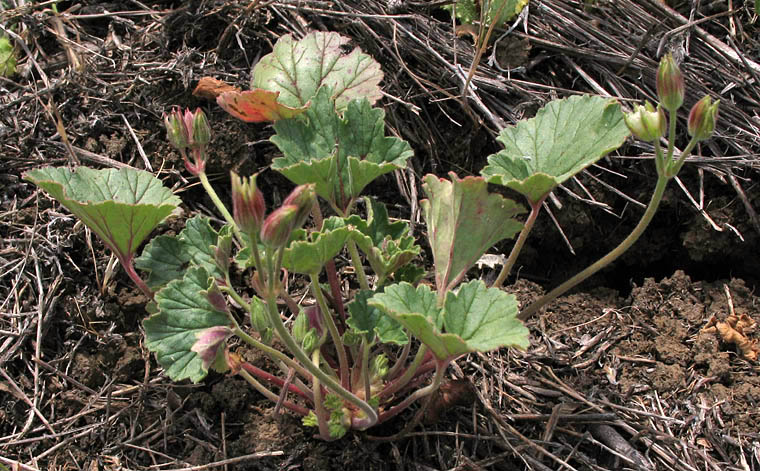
(463, 221)
(185, 312)
(121, 206)
(475, 318)
(297, 69)
(486, 318)
(341, 155)
(371, 321)
(166, 258)
(563, 138)
(310, 254)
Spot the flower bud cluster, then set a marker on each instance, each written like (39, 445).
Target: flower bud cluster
(189, 130)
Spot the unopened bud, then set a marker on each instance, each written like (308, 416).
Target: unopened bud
(175, 130)
(277, 226)
(248, 207)
(670, 87)
(300, 327)
(310, 341)
(303, 197)
(646, 123)
(702, 118)
(259, 319)
(201, 134)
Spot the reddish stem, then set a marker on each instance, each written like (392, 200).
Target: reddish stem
(261, 374)
(129, 267)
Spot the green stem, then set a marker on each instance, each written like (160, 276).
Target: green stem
(659, 190)
(408, 374)
(321, 413)
(300, 355)
(220, 206)
(440, 369)
(356, 261)
(400, 361)
(535, 209)
(345, 379)
(273, 353)
(365, 370)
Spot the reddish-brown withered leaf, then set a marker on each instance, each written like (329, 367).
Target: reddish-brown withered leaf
(256, 106)
(209, 87)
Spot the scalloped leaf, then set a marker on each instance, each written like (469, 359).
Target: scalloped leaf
(297, 69)
(564, 137)
(310, 254)
(121, 206)
(166, 258)
(485, 318)
(364, 319)
(339, 155)
(257, 106)
(416, 310)
(185, 313)
(464, 220)
(476, 318)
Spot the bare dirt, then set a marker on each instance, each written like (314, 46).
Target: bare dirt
(619, 375)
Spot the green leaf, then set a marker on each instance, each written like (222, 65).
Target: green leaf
(563, 138)
(486, 318)
(388, 246)
(476, 318)
(416, 310)
(184, 314)
(7, 57)
(121, 206)
(463, 221)
(309, 255)
(297, 69)
(166, 258)
(340, 155)
(366, 319)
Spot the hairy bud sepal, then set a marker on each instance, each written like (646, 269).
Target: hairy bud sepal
(702, 118)
(670, 85)
(646, 123)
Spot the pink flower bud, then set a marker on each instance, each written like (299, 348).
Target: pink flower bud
(277, 227)
(248, 207)
(646, 123)
(702, 118)
(303, 197)
(670, 87)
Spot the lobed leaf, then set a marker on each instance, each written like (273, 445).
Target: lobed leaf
(185, 313)
(340, 155)
(166, 258)
(475, 318)
(564, 137)
(297, 69)
(310, 254)
(121, 206)
(370, 321)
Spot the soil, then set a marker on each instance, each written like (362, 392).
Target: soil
(625, 358)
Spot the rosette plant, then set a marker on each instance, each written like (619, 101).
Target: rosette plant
(343, 360)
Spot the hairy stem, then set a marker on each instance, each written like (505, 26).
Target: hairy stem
(319, 407)
(269, 394)
(535, 209)
(408, 374)
(356, 261)
(345, 379)
(327, 380)
(129, 268)
(654, 202)
(220, 206)
(279, 382)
